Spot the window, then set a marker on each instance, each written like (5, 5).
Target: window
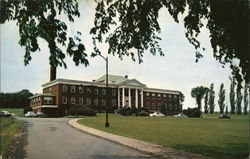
(175, 96)
(113, 92)
(103, 102)
(113, 102)
(103, 91)
(88, 100)
(159, 95)
(147, 94)
(159, 105)
(153, 94)
(164, 95)
(170, 106)
(169, 96)
(73, 100)
(175, 107)
(147, 104)
(47, 100)
(80, 89)
(96, 102)
(96, 91)
(153, 105)
(88, 90)
(64, 100)
(80, 100)
(65, 88)
(72, 89)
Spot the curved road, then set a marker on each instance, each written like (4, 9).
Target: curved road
(53, 138)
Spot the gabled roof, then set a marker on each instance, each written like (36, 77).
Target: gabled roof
(112, 79)
(132, 82)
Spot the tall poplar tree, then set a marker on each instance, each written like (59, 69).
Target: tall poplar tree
(206, 102)
(245, 99)
(238, 101)
(211, 99)
(232, 95)
(221, 100)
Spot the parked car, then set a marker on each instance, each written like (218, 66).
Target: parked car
(5, 114)
(156, 114)
(30, 114)
(143, 113)
(181, 115)
(224, 116)
(40, 114)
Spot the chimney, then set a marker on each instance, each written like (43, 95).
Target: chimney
(52, 73)
(93, 80)
(126, 76)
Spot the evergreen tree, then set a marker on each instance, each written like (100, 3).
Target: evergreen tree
(221, 100)
(211, 99)
(206, 102)
(238, 101)
(232, 95)
(245, 99)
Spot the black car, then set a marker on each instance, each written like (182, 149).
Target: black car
(224, 116)
(143, 113)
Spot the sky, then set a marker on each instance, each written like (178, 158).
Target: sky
(177, 70)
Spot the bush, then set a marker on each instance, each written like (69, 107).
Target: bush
(192, 112)
(82, 110)
(126, 111)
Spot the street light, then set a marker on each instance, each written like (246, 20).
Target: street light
(107, 90)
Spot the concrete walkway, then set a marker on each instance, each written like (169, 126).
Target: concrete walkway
(148, 148)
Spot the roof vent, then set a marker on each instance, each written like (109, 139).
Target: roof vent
(126, 76)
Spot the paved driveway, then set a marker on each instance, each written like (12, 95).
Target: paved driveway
(53, 138)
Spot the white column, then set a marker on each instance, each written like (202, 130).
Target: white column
(123, 97)
(118, 93)
(141, 98)
(136, 98)
(129, 97)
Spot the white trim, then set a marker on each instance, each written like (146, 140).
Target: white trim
(161, 91)
(46, 106)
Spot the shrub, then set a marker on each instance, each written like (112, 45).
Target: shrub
(126, 111)
(192, 112)
(82, 110)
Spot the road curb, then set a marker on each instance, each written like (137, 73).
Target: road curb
(145, 147)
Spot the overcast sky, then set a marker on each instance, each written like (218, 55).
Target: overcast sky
(176, 70)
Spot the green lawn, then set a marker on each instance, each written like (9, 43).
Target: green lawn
(210, 136)
(9, 130)
(17, 111)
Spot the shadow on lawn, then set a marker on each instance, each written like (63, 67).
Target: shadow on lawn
(232, 151)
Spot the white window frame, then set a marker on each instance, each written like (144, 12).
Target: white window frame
(88, 101)
(72, 100)
(64, 99)
(81, 100)
(80, 89)
(65, 88)
(72, 89)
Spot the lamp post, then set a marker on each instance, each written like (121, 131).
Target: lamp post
(107, 90)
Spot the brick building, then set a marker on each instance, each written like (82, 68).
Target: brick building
(61, 94)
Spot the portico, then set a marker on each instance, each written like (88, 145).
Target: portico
(130, 97)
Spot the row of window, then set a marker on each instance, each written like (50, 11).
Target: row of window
(88, 101)
(160, 95)
(88, 90)
(46, 100)
(158, 105)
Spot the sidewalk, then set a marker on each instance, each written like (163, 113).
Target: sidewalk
(145, 147)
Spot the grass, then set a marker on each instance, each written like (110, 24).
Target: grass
(209, 136)
(9, 130)
(17, 111)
